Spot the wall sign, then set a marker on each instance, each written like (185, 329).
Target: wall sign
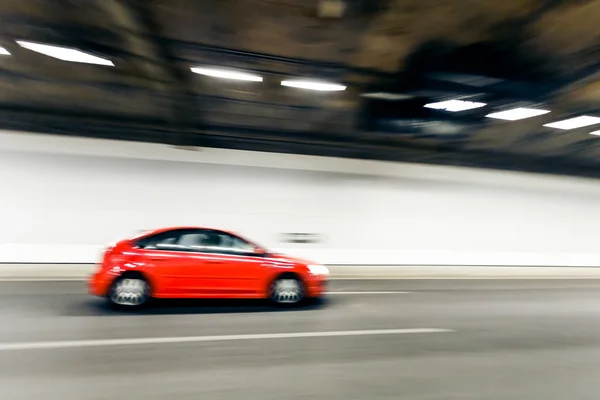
(304, 238)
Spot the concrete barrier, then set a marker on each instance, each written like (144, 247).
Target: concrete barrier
(82, 271)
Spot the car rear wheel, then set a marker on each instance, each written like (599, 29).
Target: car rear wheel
(287, 291)
(129, 292)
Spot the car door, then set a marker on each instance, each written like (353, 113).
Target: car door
(193, 272)
(174, 265)
(231, 269)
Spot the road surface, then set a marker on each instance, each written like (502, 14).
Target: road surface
(396, 339)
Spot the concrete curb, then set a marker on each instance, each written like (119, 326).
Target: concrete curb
(82, 271)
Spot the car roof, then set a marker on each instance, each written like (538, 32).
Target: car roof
(173, 228)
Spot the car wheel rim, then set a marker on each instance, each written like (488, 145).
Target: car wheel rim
(287, 291)
(130, 292)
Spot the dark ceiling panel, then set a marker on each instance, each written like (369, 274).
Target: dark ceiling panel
(506, 54)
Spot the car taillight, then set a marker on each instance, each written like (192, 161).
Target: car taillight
(108, 257)
(117, 255)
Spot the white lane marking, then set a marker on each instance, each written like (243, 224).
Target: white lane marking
(379, 292)
(64, 344)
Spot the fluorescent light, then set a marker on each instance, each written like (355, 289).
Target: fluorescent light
(64, 53)
(314, 85)
(574, 123)
(517, 113)
(227, 74)
(455, 105)
(4, 52)
(595, 133)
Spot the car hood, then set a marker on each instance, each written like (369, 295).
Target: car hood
(290, 259)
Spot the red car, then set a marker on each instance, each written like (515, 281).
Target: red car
(193, 262)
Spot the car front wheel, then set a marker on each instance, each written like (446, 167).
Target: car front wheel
(287, 290)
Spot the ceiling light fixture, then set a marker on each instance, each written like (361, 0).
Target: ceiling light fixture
(4, 52)
(65, 53)
(517, 114)
(455, 105)
(574, 123)
(314, 85)
(226, 74)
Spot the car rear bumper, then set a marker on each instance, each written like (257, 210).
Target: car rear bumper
(98, 285)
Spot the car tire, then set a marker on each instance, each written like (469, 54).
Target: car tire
(129, 292)
(287, 291)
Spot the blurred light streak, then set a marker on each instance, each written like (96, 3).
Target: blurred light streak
(225, 74)
(64, 53)
(455, 105)
(517, 114)
(574, 123)
(314, 85)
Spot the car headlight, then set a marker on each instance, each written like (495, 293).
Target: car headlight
(318, 269)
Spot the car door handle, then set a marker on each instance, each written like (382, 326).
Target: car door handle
(214, 262)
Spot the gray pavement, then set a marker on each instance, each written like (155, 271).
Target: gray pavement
(522, 339)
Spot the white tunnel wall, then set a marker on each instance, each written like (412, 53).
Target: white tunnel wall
(64, 199)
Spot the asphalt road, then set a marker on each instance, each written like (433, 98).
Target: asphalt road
(494, 339)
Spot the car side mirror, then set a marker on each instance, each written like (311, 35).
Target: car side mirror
(259, 251)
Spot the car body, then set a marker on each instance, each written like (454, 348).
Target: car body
(196, 262)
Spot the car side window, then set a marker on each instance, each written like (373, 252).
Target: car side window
(209, 241)
(202, 241)
(162, 241)
(156, 242)
(233, 244)
(194, 241)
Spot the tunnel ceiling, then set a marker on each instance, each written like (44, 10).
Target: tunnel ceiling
(391, 55)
